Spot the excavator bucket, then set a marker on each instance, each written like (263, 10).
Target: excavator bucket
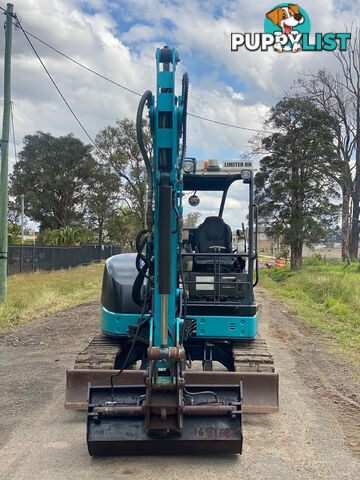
(117, 422)
(260, 389)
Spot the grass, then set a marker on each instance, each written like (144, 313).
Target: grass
(33, 295)
(326, 295)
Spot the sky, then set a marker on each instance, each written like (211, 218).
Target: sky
(119, 39)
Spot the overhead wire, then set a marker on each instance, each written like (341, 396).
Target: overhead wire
(18, 24)
(83, 66)
(104, 77)
(229, 124)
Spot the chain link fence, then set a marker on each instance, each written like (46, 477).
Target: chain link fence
(29, 258)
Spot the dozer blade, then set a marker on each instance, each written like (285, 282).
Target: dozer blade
(121, 430)
(260, 389)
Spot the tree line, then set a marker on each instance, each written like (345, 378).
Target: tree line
(309, 174)
(76, 196)
(310, 167)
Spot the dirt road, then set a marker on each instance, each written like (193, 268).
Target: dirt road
(316, 434)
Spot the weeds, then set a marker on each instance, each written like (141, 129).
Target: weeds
(326, 294)
(33, 295)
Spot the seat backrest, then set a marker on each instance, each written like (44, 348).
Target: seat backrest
(213, 231)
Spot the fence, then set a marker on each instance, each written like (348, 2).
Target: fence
(30, 258)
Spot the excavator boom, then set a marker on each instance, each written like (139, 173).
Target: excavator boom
(179, 359)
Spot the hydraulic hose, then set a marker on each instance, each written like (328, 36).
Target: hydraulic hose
(185, 93)
(142, 269)
(146, 98)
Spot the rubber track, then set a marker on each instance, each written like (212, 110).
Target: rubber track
(252, 356)
(249, 356)
(101, 353)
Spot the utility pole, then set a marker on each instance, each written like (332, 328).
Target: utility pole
(4, 155)
(22, 218)
(22, 233)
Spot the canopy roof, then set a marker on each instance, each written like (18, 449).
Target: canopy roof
(210, 181)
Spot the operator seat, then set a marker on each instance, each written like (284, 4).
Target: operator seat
(213, 232)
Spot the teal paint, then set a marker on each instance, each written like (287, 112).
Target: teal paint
(225, 327)
(166, 101)
(118, 323)
(206, 326)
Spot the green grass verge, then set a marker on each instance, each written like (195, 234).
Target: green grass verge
(326, 295)
(33, 295)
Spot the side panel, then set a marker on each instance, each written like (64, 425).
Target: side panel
(226, 327)
(117, 323)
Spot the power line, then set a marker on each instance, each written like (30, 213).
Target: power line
(18, 24)
(104, 77)
(84, 66)
(133, 91)
(229, 124)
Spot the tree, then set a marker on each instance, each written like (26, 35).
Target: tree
(123, 228)
(293, 186)
(122, 155)
(102, 200)
(350, 67)
(192, 219)
(339, 95)
(14, 232)
(52, 173)
(14, 209)
(325, 90)
(65, 236)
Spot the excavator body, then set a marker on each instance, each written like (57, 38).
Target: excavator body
(179, 359)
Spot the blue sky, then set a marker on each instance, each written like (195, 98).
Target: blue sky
(119, 39)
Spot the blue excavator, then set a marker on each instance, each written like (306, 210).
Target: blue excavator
(179, 359)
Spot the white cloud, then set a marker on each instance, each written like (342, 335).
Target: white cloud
(94, 40)
(89, 31)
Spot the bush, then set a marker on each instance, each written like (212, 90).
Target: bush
(65, 236)
(326, 294)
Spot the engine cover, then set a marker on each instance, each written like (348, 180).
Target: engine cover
(119, 276)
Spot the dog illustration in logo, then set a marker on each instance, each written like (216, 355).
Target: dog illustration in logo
(286, 18)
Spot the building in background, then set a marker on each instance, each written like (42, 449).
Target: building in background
(266, 243)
